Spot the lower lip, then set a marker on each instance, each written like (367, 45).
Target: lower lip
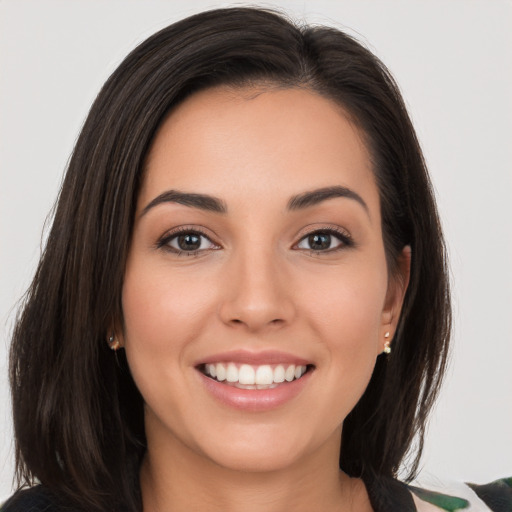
(255, 399)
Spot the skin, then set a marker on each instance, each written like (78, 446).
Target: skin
(255, 284)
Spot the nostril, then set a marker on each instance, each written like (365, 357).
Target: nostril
(275, 321)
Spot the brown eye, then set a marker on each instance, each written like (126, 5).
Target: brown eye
(319, 241)
(188, 242)
(324, 241)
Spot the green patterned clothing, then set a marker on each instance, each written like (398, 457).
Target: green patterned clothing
(495, 497)
(386, 495)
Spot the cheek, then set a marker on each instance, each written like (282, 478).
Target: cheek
(163, 314)
(345, 311)
(347, 306)
(160, 307)
(343, 314)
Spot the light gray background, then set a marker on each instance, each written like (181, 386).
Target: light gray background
(453, 60)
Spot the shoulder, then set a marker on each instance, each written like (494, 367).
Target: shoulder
(436, 496)
(34, 499)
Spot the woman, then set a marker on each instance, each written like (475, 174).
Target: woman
(243, 300)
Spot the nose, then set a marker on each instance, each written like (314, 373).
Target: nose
(257, 293)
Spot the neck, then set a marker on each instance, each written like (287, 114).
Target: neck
(174, 477)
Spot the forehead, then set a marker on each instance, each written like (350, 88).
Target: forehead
(250, 141)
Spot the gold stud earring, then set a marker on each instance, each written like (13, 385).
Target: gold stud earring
(387, 347)
(113, 343)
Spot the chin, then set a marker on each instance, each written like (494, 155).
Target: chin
(262, 451)
(257, 459)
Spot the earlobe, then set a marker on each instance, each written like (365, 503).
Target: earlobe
(397, 288)
(387, 343)
(114, 339)
(113, 342)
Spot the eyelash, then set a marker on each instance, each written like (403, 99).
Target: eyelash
(342, 236)
(164, 243)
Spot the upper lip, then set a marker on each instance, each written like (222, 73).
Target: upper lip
(255, 358)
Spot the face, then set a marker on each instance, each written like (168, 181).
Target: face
(256, 295)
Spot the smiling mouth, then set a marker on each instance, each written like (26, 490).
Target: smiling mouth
(245, 376)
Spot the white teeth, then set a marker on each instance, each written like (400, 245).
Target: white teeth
(279, 374)
(212, 370)
(232, 373)
(264, 375)
(246, 374)
(220, 370)
(249, 376)
(289, 374)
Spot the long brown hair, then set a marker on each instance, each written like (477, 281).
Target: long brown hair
(78, 416)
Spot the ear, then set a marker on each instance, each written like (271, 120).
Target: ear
(397, 286)
(115, 339)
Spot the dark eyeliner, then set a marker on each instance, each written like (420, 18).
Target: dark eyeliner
(163, 242)
(347, 242)
(341, 235)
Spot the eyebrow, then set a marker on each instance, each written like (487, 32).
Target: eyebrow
(319, 195)
(213, 204)
(201, 201)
